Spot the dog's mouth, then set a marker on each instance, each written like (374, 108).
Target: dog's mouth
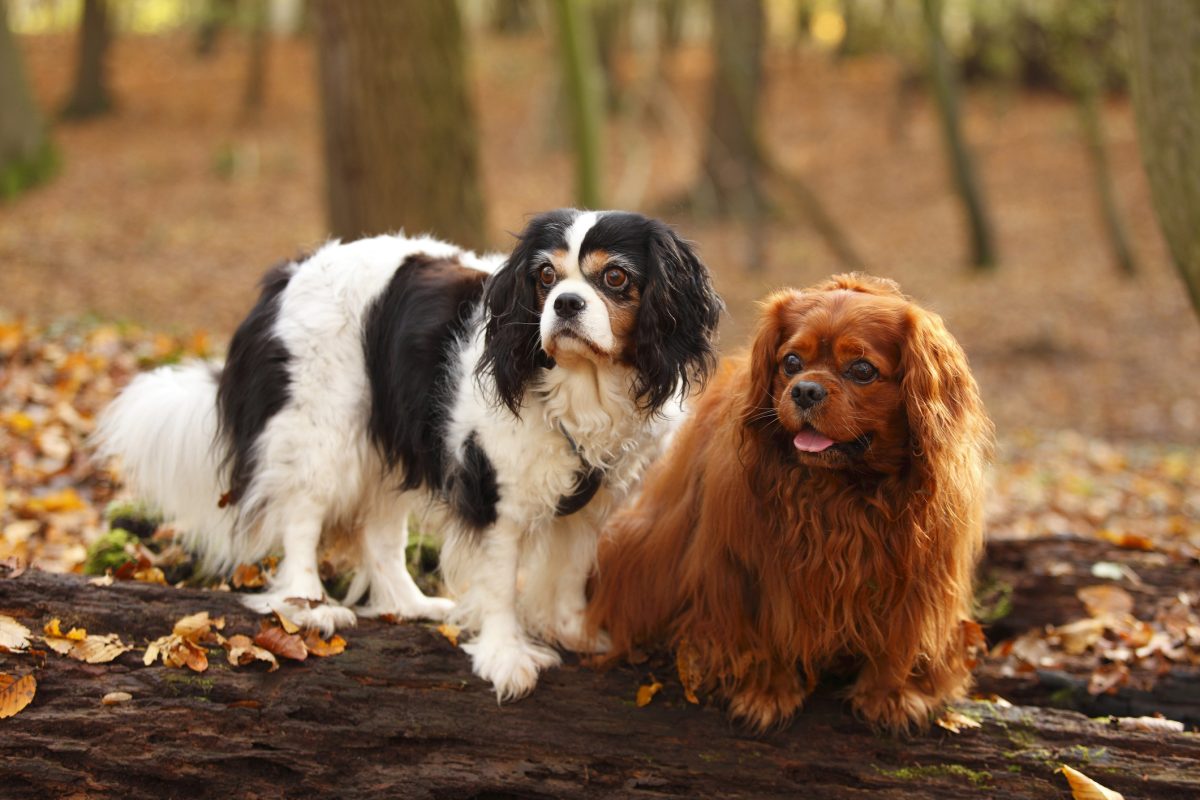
(810, 440)
(567, 339)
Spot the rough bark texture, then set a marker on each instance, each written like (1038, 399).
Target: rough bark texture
(1044, 576)
(733, 158)
(945, 85)
(90, 96)
(400, 141)
(584, 86)
(255, 92)
(25, 153)
(399, 715)
(1164, 50)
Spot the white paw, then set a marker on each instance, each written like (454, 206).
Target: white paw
(322, 615)
(511, 664)
(571, 633)
(432, 608)
(326, 618)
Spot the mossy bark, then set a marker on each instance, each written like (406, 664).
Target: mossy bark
(27, 156)
(400, 715)
(1164, 50)
(400, 137)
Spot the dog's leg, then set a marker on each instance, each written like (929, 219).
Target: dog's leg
(768, 697)
(501, 652)
(393, 590)
(890, 696)
(555, 587)
(295, 590)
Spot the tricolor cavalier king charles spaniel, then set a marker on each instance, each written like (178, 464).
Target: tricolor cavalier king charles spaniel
(511, 403)
(820, 509)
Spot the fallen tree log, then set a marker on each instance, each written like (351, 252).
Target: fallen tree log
(1040, 578)
(400, 715)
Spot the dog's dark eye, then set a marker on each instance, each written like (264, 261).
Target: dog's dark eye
(547, 276)
(616, 278)
(862, 371)
(792, 364)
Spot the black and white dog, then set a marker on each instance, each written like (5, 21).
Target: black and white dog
(512, 404)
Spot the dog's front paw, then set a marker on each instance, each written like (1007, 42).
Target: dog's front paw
(319, 614)
(511, 664)
(897, 710)
(765, 709)
(431, 608)
(572, 633)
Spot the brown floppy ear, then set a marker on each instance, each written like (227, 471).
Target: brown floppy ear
(949, 428)
(769, 336)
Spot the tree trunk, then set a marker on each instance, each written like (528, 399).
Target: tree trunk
(254, 95)
(513, 17)
(1164, 50)
(733, 158)
(400, 715)
(216, 17)
(90, 96)
(584, 87)
(1092, 124)
(400, 142)
(26, 155)
(945, 84)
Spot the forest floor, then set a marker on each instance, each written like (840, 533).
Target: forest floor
(148, 244)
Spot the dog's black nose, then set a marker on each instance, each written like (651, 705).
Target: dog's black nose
(568, 304)
(807, 394)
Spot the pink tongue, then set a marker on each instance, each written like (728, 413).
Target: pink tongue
(810, 441)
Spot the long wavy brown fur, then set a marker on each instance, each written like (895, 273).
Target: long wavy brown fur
(765, 570)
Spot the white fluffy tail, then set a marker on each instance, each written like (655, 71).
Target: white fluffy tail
(163, 427)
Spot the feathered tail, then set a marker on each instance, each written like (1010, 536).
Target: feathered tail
(163, 427)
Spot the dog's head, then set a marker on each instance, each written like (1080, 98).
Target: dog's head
(856, 376)
(597, 289)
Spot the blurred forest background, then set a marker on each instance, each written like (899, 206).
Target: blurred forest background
(983, 154)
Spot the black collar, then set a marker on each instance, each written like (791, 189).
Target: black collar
(588, 479)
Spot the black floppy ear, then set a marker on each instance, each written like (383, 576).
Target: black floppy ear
(512, 344)
(676, 322)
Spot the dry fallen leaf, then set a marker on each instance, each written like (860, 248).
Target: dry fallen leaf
(646, 693)
(184, 645)
(248, 576)
(956, 722)
(243, 651)
(281, 643)
(1107, 678)
(115, 698)
(14, 637)
(15, 693)
(1084, 788)
(319, 647)
(1149, 724)
(1076, 637)
(12, 566)
(58, 641)
(1128, 541)
(99, 649)
(1105, 599)
(450, 632)
(285, 623)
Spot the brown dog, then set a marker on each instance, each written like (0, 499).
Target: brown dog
(821, 506)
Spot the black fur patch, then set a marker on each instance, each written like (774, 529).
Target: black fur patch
(673, 343)
(471, 488)
(255, 382)
(512, 353)
(587, 482)
(408, 333)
